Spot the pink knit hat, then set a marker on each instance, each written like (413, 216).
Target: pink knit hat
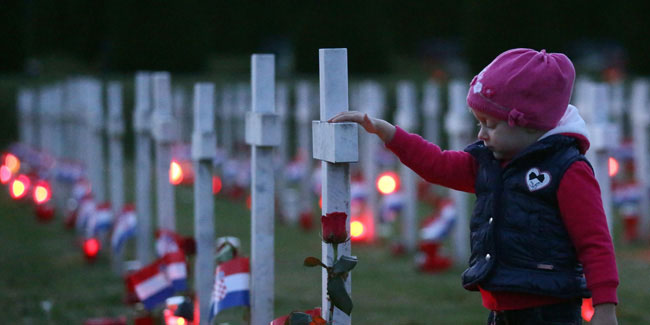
(524, 87)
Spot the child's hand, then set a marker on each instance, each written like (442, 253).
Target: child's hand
(604, 314)
(381, 128)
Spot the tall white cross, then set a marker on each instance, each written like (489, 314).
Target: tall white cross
(640, 124)
(282, 152)
(431, 110)
(372, 102)
(604, 137)
(95, 144)
(143, 165)
(262, 134)
(26, 101)
(204, 149)
(306, 99)
(115, 128)
(407, 117)
(72, 121)
(225, 119)
(336, 145)
(165, 133)
(459, 127)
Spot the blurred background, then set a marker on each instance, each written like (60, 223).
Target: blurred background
(439, 39)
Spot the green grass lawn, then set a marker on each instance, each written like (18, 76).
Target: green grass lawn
(42, 262)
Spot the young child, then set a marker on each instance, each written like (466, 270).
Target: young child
(539, 237)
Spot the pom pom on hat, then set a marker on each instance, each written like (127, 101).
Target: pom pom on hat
(525, 87)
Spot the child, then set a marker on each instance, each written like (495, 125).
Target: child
(539, 237)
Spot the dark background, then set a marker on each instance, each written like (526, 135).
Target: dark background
(42, 41)
(186, 35)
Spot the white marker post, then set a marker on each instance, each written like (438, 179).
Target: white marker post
(459, 128)
(143, 166)
(57, 129)
(242, 106)
(95, 145)
(640, 123)
(115, 128)
(407, 119)
(226, 112)
(372, 103)
(46, 117)
(164, 133)
(26, 101)
(41, 125)
(336, 145)
(182, 114)
(58, 146)
(262, 134)
(603, 139)
(204, 149)
(431, 110)
(72, 123)
(305, 109)
(282, 152)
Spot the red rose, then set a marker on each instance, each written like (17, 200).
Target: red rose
(334, 227)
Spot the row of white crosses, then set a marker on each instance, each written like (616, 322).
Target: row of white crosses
(334, 144)
(66, 121)
(51, 123)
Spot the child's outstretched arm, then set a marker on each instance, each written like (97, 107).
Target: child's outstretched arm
(384, 130)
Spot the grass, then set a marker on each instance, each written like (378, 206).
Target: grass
(42, 262)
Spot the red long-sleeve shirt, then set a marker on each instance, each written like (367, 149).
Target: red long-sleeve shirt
(579, 202)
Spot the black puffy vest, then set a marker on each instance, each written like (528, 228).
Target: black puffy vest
(518, 240)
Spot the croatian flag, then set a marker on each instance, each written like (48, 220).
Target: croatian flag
(176, 270)
(103, 218)
(100, 220)
(151, 285)
(231, 286)
(167, 241)
(124, 228)
(439, 228)
(87, 208)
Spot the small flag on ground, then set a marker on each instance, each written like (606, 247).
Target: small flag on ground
(125, 227)
(102, 220)
(167, 241)
(176, 270)
(85, 210)
(231, 286)
(439, 228)
(151, 285)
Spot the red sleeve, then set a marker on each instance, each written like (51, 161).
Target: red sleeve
(582, 210)
(449, 168)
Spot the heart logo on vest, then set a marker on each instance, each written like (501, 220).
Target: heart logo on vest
(537, 180)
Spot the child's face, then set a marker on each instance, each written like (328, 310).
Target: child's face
(503, 140)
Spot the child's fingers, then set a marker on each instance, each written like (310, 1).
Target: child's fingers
(349, 116)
